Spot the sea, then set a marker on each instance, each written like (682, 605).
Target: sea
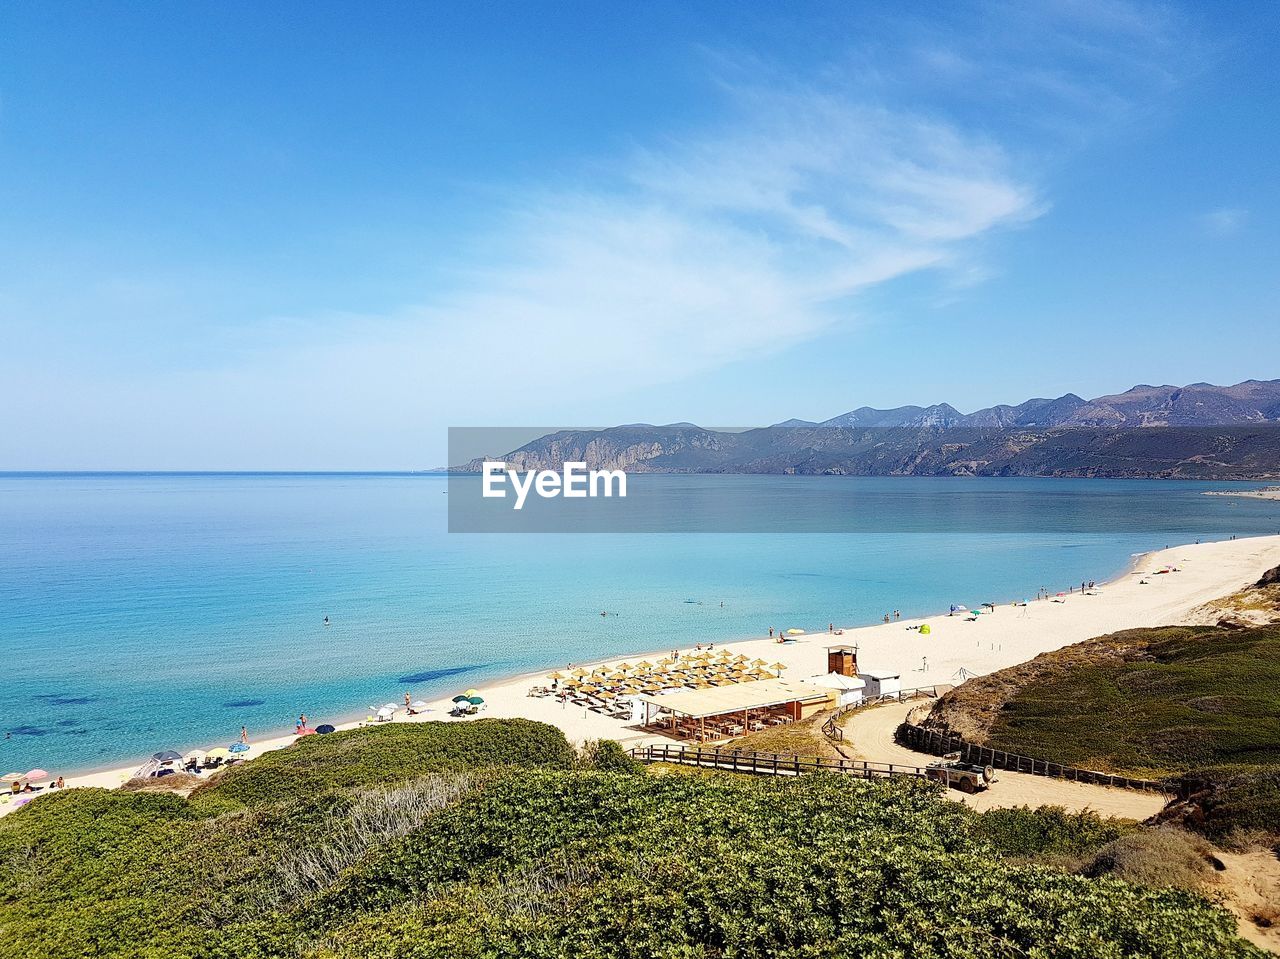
(150, 611)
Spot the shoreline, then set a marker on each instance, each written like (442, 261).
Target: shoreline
(1011, 635)
(1269, 492)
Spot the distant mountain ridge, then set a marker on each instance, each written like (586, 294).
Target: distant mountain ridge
(1199, 431)
(1200, 404)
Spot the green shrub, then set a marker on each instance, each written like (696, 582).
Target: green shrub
(387, 754)
(1155, 857)
(1047, 832)
(606, 755)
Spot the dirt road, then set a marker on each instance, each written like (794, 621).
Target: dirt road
(869, 733)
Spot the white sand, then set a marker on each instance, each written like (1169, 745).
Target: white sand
(1009, 636)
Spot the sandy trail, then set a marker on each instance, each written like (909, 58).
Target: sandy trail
(869, 733)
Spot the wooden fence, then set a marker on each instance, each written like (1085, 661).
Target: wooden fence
(768, 764)
(941, 744)
(831, 728)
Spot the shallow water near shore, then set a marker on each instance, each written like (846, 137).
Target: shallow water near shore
(141, 612)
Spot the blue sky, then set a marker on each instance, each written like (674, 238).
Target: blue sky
(315, 235)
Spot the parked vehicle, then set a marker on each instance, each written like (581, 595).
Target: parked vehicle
(967, 777)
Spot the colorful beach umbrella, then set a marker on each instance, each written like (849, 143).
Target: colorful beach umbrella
(238, 748)
(11, 778)
(39, 775)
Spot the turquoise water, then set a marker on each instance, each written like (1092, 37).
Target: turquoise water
(141, 612)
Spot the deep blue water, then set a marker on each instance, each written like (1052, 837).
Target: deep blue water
(149, 611)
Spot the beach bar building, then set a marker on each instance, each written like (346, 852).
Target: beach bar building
(722, 712)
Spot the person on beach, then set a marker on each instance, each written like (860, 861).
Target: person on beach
(60, 784)
(244, 735)
(406, 699)
(302, 721)
(771, 632)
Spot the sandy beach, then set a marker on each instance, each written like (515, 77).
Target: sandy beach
(1143, 596)
(1270, 492)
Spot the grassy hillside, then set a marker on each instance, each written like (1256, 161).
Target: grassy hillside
(493, 838)
(1187, 701)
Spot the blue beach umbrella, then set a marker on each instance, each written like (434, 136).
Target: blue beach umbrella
(325, 729)
(238, 747)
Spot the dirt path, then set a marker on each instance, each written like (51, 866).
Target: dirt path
(1251, 885)
(869, 735)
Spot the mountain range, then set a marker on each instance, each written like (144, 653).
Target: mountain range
(1199, 431)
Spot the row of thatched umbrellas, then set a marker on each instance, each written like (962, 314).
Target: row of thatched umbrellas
(699, 670)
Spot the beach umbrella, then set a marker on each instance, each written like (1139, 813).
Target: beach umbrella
(418, 704)
(11, 778)
(218, 753)
(644, 664)
(778, 666)
(238, 748)
(473, 692)
(580, 671)
(758, 662)
(475, 700)
(460, 698)
(794, 632)
(39, 775)
(556, 675)
(168, 756)
(325, 729)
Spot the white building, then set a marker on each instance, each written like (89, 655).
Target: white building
(881, 682)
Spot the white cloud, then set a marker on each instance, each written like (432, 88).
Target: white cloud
(1224, 221)
(670, 260)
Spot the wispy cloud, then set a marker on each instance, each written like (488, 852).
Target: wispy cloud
(1224, 221)
(703, 247)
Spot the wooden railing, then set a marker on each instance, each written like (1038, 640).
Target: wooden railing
(832, 729)
(769, 764)
(941, 744)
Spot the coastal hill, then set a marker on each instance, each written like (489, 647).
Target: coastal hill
(1199, 431)
(495, 838)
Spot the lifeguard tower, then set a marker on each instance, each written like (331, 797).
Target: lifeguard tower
(842, 660)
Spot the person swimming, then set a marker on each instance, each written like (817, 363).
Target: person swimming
(326, 620)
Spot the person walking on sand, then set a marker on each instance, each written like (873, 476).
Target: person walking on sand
(244, 735)
(406, 699)
(771, 632)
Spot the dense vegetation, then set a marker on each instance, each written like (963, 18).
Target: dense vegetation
(494, 838)
(1196, 704)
